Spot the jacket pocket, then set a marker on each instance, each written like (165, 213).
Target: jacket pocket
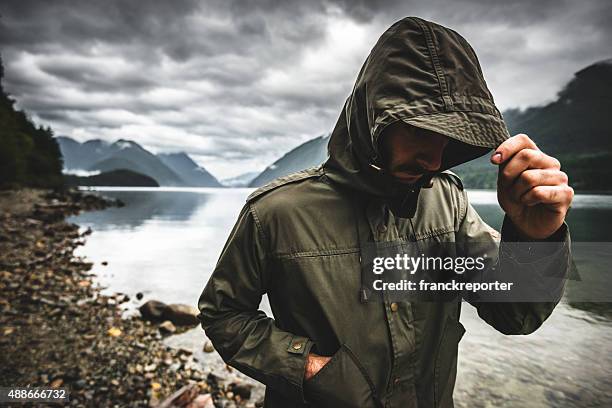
(445, 370)
(340, 384)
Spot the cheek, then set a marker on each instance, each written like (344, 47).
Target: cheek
(403, 155)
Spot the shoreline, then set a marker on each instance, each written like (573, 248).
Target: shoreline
(58, 330)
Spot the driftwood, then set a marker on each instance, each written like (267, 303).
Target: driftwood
(181, 397)
(189, 397)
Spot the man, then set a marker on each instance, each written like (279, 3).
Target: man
(420, 106)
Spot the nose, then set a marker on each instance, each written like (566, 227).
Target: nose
(431, 160)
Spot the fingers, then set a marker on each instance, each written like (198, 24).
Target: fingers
(524, 160)
(559, 196)
(537, 177)
(512, 146)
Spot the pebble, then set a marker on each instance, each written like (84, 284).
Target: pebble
(208, 347)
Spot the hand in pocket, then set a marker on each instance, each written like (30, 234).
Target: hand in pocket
(340, 383)
(315, 363)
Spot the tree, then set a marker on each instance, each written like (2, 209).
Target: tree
(29, 155)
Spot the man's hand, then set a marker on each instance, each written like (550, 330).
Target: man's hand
(314, 363)
(531, 188)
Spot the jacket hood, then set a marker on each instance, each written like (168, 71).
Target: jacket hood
(425, 75)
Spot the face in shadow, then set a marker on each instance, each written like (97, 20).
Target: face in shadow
(408, 152)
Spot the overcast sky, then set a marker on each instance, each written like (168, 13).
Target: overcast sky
(238, 83)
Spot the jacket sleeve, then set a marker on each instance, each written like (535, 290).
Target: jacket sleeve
(539, 268)
(245, 337)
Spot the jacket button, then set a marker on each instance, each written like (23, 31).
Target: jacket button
(297, 346)
(382, 228)
(394, 307)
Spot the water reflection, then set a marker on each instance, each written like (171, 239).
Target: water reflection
(162, 243)
(141, 206)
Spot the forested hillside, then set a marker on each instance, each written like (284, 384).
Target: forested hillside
(29, 155)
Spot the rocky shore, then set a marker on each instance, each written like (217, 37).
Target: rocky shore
(58, 330)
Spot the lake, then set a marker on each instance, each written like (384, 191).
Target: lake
(165, 243)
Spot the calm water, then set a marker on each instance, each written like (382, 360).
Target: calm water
(165, 243)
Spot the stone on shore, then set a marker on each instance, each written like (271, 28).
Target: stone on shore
(182, 315)
(178, 314)
(153, 311)
(241, 389)
(208, 347)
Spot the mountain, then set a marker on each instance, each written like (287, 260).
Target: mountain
(311, 153)
(188, 170)
(168, 170)
(79, 156)
(128, 155)
(575, 128)
(241, 180)
(125, 178)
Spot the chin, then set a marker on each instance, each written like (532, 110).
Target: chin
(407, 181)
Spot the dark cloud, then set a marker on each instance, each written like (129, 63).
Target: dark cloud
(238, 83)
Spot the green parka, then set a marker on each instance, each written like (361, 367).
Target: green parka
(299, 240)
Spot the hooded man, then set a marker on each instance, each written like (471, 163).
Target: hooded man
(420, 106)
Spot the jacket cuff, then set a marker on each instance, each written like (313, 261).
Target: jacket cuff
(300, 347)
(531, 250)
(541, 266)
(510, 233)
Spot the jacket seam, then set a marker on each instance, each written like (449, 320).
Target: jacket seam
(462, 98)
(264, 238)
(433, 54)
(258, 223)
(310, 172)
(464, 205)
(434, 232)
(311, 254)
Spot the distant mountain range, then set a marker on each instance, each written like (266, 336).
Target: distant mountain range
(175, 169)
(576, 128)
(188, 170)
(308, 154)
(242, 180)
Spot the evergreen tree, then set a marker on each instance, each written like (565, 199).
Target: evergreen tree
(29, 155)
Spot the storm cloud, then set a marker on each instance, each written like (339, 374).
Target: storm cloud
(238, 83)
